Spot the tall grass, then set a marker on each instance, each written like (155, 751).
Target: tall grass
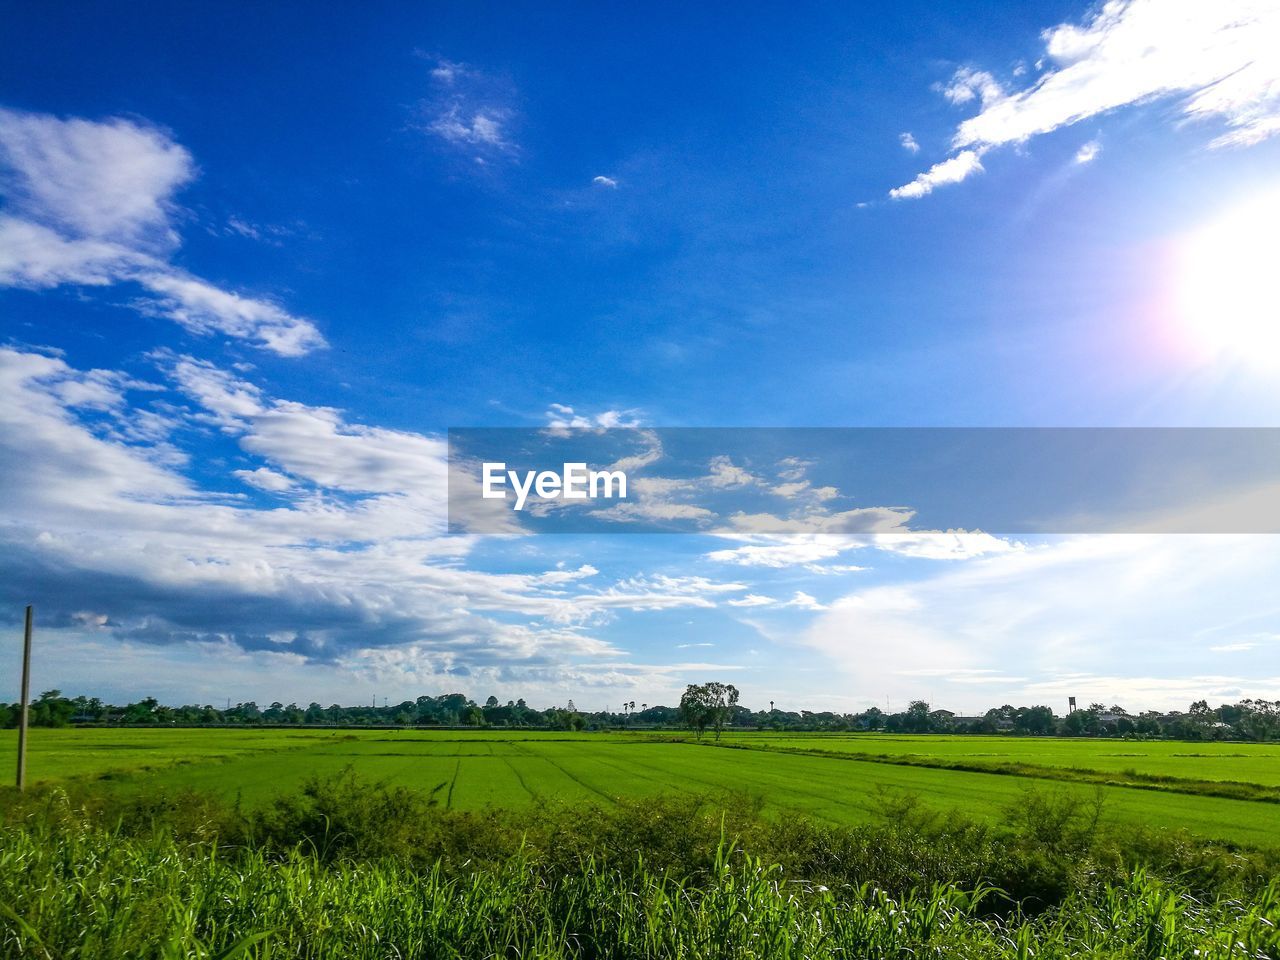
(345, 869)
(89, 893)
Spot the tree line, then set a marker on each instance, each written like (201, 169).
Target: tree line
(704, 707)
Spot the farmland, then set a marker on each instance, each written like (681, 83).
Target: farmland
(1223, 791)
(384, 842)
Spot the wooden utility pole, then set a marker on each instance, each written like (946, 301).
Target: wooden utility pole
(26, 700)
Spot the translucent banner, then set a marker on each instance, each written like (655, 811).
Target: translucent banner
(853, 481)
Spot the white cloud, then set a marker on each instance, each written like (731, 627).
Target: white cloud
(563, 419)
(602, 181)
(752, 600)
(811, 551)
(109, 180)
(654, 511)
(1061, 613)
(448, 72)
(952, 170)
(1088, 152)
(909, 143)
(204, 309)
(804, 601)
(968, 83)
(1219, 57)
(36, 257)
(351, 570)
(228, 401)
(470, 111)
(264, 478)
(862, 520)
(483, 126)
(94, 207)
(318, 444)
(725, 473)
(780, 552)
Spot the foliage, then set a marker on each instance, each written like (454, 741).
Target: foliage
(708, 705)
(1249, 719)
(668, 878)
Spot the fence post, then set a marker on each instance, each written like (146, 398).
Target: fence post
(25, 702)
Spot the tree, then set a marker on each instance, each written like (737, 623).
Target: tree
(1260, 719)
(917, 719)
(1036, 720)
(708, 705)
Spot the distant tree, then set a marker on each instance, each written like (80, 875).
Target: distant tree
(1036, 720)
(708, 705)
(1261, 718)
(917, 719)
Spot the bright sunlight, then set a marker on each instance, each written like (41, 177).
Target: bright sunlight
(1228, 284)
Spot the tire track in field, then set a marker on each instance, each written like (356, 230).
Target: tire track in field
(580, 782)
(790, 787)
(448, 800)
(512, 767)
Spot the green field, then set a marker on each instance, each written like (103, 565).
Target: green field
(833, 778)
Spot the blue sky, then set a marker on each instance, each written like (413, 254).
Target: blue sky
(254, 264)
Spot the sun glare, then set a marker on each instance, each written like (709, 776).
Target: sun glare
(1228, 284)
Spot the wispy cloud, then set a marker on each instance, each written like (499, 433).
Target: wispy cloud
(1219, 57)
(1109, 606)
(952, 170)
(563, 419)
(470, 111)
(93, 205)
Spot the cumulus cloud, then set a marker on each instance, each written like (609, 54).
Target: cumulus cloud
(348, 567)
(603, 181)
(967, 84)
(909, 143)
(1218, 58)
(91, 204)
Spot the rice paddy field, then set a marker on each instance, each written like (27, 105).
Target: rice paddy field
(1221, 791)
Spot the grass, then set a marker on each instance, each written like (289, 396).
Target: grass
(835, 779)
(1256, 763)
(346, 869)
